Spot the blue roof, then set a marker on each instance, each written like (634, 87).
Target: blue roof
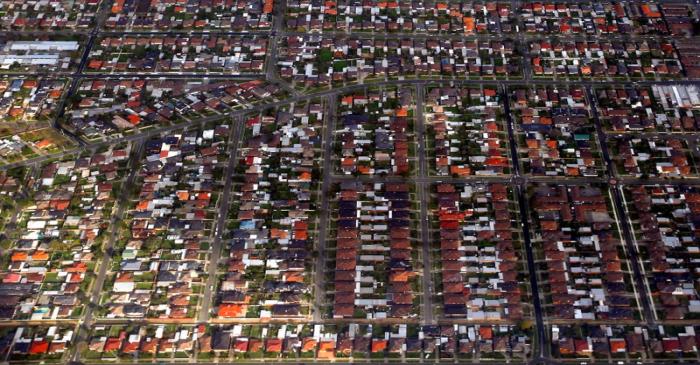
(249, 224)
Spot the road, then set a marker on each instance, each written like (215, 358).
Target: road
(99, 20)
(296, 98)
(423, 180)
(628, 241)
(520, 185)
(271, 74)
(224, 204)
(423, 189)
(319, 279)
(602, 138)
(86, 322)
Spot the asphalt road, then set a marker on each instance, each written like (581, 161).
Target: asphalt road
(518, 180)
(320, 265)
(639, 279)
(224, 204)
(84, 326)
(542, 347)
(295, 98)
(423, 190)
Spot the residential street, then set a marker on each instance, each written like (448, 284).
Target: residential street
(316, 182)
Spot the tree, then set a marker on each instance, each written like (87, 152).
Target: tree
(325, 55)
(526, 324)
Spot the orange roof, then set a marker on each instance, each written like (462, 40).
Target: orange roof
(399, 276)
(118, 6)
(16, 111)
(183, 195)
(134, 119)
(267, 8)
(273, 345)
(364, 169)
(44, 143)
(278, 233)
(549, 225)
(485, 332)
(489, 92)
(491, 126)
(230, 310)
(460, 170)
(113, 344)
(326, 350)
(305, 176)
(327, 346)
(445, 216)
(39, 347)
(496, 161)
(142, 205)
(651, 14)
(40, 256)
(76, 267)
(19, 256)
(401, 112)
(294, 277)
(617, 345)
(468, 24)
(572, 171)
(301, 234)
(347, 162)
(309, 344)
(61, 204)
(379, 345)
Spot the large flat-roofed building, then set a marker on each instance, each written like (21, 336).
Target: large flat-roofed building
(61, 46)
(40, 59)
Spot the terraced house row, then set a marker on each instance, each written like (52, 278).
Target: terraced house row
(374, 275)
(584, 273)
(665, 221)
(480, 253)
